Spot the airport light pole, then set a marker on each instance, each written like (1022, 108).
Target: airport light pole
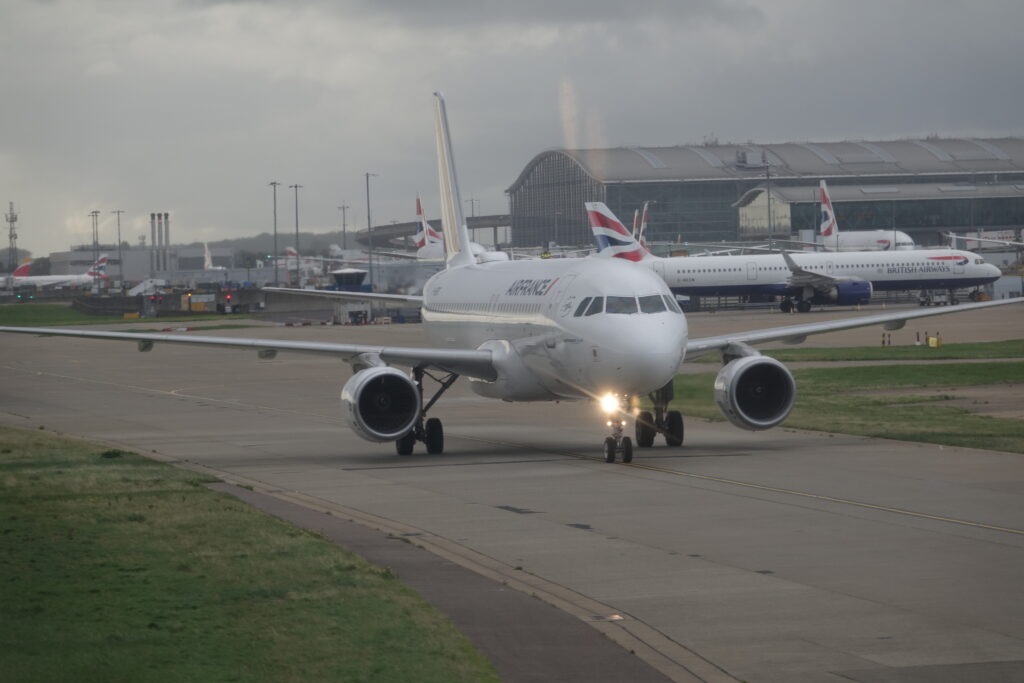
(298, 255)
(274, 185)
(95, 243)
(120, 260)
(369, 225)
(344, 225)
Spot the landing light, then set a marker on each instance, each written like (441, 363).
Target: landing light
(610, 403)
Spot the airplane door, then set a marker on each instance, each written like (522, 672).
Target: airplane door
(958, 265)
(751, 271)
(828, 267)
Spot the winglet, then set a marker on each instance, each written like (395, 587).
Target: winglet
(456, 234)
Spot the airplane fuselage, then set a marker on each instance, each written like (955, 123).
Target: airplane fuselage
(769, 274)
(531, 315)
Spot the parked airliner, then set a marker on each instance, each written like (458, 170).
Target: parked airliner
(98, 270)
(540, 330)
(800, 278)
(830, 238)
(430, 243)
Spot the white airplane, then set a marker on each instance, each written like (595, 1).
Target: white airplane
(98, 269)
(801, 278)
(430, 244)
(540, 330)
(831, 239)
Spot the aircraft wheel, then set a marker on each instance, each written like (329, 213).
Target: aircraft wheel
(674, 428)
(627, 449)
(434, 436)
(803, 306)
(645, 429)
(405, 445)
(609, 449)
(786, 306)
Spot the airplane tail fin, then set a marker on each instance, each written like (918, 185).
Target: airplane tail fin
(24, 270)
(99, 268)
(456, 234)
(425, 234)
(828, 227)
(207, 259)
(613, 239)
(642, 232)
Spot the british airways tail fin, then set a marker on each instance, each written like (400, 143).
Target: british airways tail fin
(828, 227)
(456, 234)
(613, 239)
(99, 269)
(425, 234)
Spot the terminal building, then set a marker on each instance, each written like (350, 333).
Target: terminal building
(711, 193)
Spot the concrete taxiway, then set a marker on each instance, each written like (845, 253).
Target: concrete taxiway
(775, 556)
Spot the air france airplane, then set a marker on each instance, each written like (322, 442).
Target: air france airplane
(540, 330)
(800, 278)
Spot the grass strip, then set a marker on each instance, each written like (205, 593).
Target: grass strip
(982, 350)
(859, 400)
(118, 568)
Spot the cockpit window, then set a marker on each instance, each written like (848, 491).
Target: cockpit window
(652, 304)
(621, 304)
(672, 304)
(596, 306)
(582, 307)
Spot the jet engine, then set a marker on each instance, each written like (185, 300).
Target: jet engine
(380, 403)
(755, 392)
(849, 293)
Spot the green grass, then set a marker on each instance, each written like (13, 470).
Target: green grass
(42, 315)
(1000, 349)
(117, 568)
(854, 400)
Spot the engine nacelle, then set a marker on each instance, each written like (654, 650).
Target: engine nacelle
(755, 392)
(850, 293)
(380, 403)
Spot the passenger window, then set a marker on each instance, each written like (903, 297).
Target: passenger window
(596, 306)
(582, 307)
(652, 304)
(621, 304)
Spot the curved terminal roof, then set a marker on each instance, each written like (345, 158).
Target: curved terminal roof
(793, 160)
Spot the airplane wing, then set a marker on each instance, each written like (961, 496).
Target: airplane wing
(1005, 243)
(798, 277)
(795, 334)
(409, 256)
(393, 299)
(468, 362)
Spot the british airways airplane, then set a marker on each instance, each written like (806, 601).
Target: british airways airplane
(800, 278)
(98, 270)
(831, 239)
(539, 330)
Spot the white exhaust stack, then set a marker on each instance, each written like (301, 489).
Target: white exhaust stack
(152, 244)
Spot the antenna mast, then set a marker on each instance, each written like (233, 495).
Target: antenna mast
(12, 250)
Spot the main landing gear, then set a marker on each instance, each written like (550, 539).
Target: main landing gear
(648, 425)
(429, 431)
(801, 305)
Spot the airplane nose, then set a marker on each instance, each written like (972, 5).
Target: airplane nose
(646, 358)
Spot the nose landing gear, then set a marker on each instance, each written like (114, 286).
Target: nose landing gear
(617, 443)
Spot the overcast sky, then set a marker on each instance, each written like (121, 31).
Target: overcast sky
(192, 107)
